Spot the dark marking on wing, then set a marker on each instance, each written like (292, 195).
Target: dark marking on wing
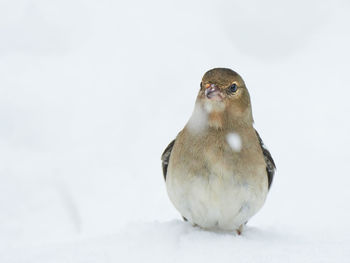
(270, 164)
(165, 162)
(165, 158)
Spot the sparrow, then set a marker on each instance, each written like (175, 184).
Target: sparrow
(218, 171)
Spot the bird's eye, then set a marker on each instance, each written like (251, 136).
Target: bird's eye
(233, 88)
(200, 85)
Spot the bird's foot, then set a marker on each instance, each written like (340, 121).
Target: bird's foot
(240, 229)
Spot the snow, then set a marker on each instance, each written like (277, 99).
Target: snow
(91, 93)
(199, 119)
(234, 140)
(174, 241)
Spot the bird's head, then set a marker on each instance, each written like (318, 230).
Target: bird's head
(225, 98)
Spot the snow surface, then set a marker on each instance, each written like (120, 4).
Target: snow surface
(91, 92)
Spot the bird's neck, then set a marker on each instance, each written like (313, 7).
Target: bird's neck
(216, 120)
(222, 121)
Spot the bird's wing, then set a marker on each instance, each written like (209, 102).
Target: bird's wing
(270, 164)
(166, 156)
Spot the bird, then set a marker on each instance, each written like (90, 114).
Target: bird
(217, 170)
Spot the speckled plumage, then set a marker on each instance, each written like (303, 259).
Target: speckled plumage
(211, 183)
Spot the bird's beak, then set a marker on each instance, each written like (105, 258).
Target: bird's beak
(213, 92)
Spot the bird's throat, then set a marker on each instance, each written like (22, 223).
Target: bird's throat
(216, 120)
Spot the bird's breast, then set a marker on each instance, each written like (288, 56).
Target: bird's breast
(215, 187)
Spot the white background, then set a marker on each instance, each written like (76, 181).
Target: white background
(91, 92)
